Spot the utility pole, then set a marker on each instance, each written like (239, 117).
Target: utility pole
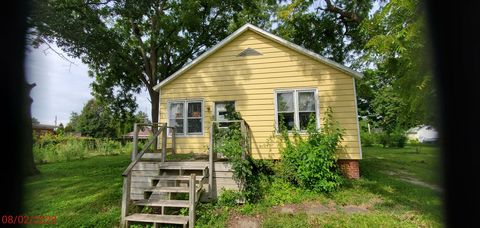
(55, 120)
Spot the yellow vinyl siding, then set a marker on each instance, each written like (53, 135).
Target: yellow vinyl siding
(251, 81)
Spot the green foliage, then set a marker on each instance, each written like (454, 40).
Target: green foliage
(397, 139)
(300, 20)
(368, 139)
(87, 193)
(397, 90)
(247, 172)
(134, 45)
(211, 215)
(384, 139)
(54, 148)
(311, 163)
(229, 198)
(81, 193)
(99, 121)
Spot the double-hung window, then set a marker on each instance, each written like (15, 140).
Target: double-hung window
(186, 116)
(295, 107)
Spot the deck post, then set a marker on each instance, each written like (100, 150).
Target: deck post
(164, 142)
(135, 141)
(125, 199)
(191, 200)
(210, 164)
(174, 144)
(244, 138)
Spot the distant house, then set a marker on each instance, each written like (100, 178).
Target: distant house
(42, 129)
(422, 133)
(144, 133)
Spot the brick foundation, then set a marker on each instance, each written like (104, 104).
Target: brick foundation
(349, 168)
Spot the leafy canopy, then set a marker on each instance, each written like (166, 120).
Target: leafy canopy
(130, 45)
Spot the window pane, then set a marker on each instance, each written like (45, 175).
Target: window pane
(178, 124)
(221, 110)
(194, 126)
(306, 101)
(285, 102)
(176, 110)
(195, 109)
(287, 120)
(304, 118)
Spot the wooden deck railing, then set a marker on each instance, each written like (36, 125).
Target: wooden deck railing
(212, 155)
(127, 174)
(160, 127)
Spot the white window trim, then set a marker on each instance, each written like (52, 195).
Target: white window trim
(296, 115)
(185, 118)
(214, 116)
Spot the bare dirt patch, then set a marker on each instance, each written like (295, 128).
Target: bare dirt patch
(352, 209)
(313, 208)
(288, 208)
(243, 221)
(408, 178)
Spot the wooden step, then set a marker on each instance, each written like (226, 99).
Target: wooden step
(161, 189)
(168, 189)
(174, 167)
(173, 177)
(162, 203)
(166, 219)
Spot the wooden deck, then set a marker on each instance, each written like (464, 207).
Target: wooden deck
(152, 180)
(144, 172)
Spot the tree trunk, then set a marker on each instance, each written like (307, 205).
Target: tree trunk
(154, 97)
(155, 105)
(30, 167)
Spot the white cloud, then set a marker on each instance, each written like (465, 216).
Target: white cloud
(61, 87)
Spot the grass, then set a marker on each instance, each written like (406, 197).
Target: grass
(83, 193)
(87, 193)
(391, 201)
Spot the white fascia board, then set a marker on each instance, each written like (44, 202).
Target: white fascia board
(265, 34)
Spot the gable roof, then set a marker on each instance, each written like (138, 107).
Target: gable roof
(259, 31)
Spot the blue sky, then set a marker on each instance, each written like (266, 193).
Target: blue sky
(62, 87)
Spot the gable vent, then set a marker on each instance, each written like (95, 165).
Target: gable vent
(249, 52)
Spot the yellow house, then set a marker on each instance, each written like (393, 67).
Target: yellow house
(253, 70)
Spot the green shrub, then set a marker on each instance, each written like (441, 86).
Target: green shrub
(414, 142)
(229, 198)
(54, 148)
(311, 162)
(384, 139)
(398, 139)
(368, 139)
(246, 171)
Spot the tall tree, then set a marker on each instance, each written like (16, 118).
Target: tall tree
(334, 24)
(95, 120)
(72, 123)
(399, 67)
(130, 45)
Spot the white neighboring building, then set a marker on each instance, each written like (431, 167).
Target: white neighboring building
(423, 134)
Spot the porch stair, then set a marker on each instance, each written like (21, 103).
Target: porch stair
(173, 179)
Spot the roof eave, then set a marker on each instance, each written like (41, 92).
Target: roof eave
(263, 33)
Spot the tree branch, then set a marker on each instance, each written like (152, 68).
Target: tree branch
(146, 62)
(344, 15)
(49, 47)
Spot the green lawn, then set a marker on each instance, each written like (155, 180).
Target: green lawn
(88, 193)
(80, 193)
